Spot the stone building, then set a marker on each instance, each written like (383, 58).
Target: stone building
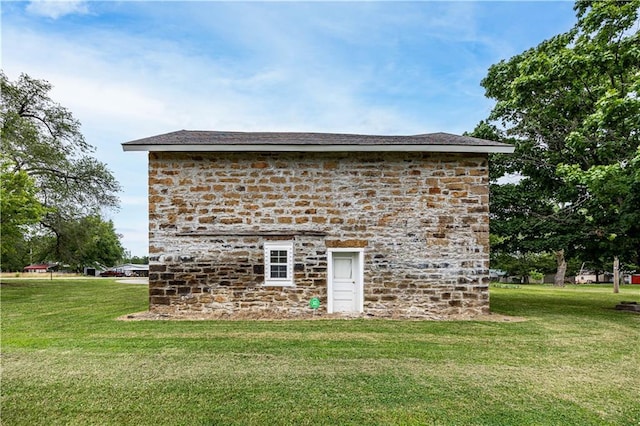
(260, 224)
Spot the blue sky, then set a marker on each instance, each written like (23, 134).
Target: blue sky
(130, 69)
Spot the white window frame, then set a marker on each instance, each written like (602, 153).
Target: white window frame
(278, 246)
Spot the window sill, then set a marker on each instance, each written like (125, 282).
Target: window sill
(278, 284)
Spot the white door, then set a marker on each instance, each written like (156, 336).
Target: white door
(345, 284)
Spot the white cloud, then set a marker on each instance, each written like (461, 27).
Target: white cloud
(135, 239)
(287, 78)
(55, 9)
(130, 200)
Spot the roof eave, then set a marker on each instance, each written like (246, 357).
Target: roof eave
(488, 149)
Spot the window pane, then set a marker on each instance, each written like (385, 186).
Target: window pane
(342, 268)
(278, 271)
(278, 256)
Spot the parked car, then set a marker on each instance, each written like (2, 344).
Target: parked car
(111, 274)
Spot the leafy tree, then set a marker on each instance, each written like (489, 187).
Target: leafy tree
(19, 208)
(87, 241)
(571, 106)
(138, 260)
(42, 140)
(615, 208)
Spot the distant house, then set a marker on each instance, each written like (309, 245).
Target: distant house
(38, 268)
(264, 223)
(588, 277)
(496, 274)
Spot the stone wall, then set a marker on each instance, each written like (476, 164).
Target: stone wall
(422, 219)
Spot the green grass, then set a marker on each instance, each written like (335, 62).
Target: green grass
(66, 360)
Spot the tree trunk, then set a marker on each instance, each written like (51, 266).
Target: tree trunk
(562, 269)
(616, 275)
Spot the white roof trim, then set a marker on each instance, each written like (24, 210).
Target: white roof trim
(504, 149)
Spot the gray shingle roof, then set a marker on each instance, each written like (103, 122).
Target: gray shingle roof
(190, 140)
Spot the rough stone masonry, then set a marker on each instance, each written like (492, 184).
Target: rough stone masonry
(421, 218)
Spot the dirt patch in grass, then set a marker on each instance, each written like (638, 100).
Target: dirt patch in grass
(270, 316)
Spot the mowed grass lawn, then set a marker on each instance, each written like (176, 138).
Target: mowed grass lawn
(66, 360)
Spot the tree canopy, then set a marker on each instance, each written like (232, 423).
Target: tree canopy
(47, 166)
(43, 139)
(571, 106)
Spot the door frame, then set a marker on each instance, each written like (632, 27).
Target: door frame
(358, 254)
